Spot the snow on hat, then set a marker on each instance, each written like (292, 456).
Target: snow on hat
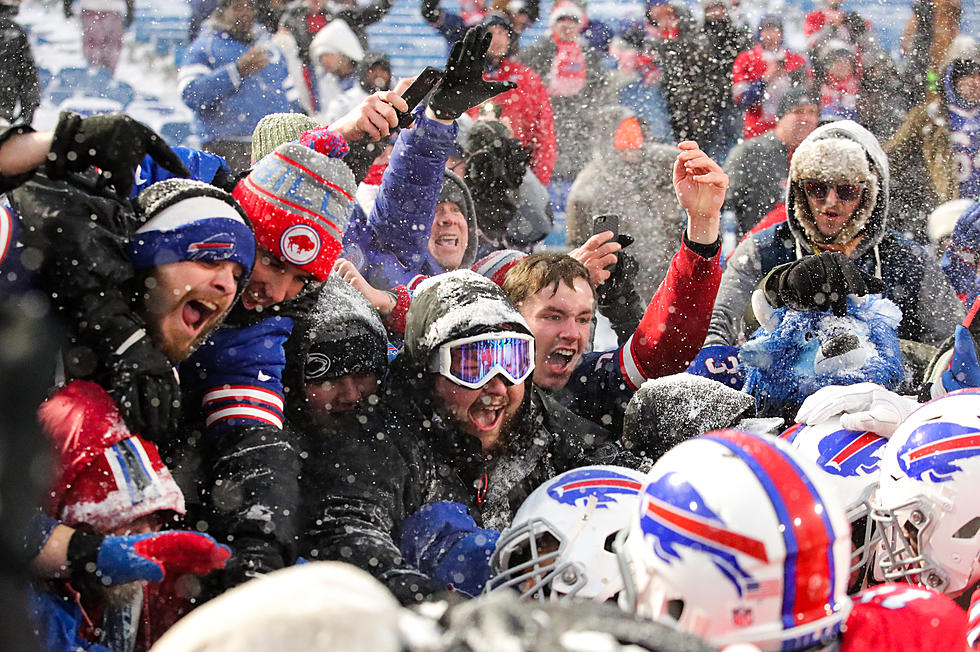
(105, 476)
(336, 38)
(834, 160)
(496, 265)
(454, 305)
(346, 335)
(943, 219)
(190, 220)
(565, 9)
(300, 202)
(277, 128)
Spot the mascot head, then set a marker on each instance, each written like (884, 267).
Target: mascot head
(794, 353)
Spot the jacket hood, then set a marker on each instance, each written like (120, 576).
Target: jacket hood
(336, 38)
(963, 57)
(840, 152)
(370, 60)
(454, 305)
(455, 189)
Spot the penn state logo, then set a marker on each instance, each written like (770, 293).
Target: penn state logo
(317, 365)
(300, 244)
(850, 453)
(934, 447)
(606, 487)
(675, 516)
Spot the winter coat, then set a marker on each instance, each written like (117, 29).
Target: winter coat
(754, 95)
(930, 309)
(757, 171)
(391, 246)
(930, 167)
(669, 336)
(574, 115)
(636, 185)
(686, 64)
(20, 90)
(528, 109)
(405, 455)
(226, 105)
(304, 26)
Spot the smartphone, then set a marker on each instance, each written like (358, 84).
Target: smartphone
(422, 86)
(607, 222)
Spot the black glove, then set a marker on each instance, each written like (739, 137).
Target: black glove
(430, 10)
(819, 282)
(620, 283)
(66, 7)
(463, 85)
(115, 143)
(142, 380)
(128, 20)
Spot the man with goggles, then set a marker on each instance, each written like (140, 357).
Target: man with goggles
(474, 361)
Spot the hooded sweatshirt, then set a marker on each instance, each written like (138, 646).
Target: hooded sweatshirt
(915, 283)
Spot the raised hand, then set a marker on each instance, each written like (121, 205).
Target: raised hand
(463, 85)
(700, 185)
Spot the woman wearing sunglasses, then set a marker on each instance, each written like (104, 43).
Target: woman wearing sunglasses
(837, 201)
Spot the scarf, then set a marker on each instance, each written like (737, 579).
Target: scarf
(567, 76)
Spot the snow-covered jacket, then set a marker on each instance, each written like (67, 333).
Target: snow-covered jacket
(226, 105)
(668, 338)
(528, 109)
(391, 246)
(930, 308)
(753, 94)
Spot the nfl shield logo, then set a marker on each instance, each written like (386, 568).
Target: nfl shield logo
(742, 616)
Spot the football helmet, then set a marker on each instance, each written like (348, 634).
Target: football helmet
(927, 503)
(560, 542)
(850, 461)
(738, 539)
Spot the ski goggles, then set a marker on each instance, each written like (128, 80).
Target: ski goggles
(820, 189)
(474, 361)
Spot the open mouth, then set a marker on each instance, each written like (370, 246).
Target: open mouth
(449, 241)
(487, 414)
(197, 313)
(560, 360)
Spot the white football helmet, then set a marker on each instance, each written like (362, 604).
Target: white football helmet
(928, 499)
(850, 461)
(738, 539)
(560, 542)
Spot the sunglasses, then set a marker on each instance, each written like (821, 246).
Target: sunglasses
(820, 189)
(474, 361)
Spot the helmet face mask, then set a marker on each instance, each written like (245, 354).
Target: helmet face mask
(559, 545)
(738, 539)
(900, 559)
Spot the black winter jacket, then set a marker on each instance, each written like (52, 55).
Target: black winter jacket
(405, 455)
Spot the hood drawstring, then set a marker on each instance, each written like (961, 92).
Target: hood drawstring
(481, 490)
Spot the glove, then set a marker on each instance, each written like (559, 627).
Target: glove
(430, 10)
(142, 380)
(115, 143)
(819, 282)
(964, 369)
(863, 407)
(620, 283)
(128, 20)
(142, 557)
(66, 7)
(326, 142)
(463, 85)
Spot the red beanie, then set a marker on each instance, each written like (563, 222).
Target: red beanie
(104, 476)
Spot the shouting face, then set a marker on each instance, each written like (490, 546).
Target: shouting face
(560, 318)
(449, 236)
(185, 301)
(484, 413)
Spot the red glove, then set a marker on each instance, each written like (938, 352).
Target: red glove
(327, 142)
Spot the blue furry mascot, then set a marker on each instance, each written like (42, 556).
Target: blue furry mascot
(796, 352)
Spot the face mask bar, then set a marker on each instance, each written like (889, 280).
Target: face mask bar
(901, 553)
(481, 357)
(859, 514)
(540, 570)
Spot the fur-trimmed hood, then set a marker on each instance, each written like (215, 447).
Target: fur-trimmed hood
(840, 152)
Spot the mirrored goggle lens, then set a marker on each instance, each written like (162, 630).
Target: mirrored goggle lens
(845, 191)
(476, 362)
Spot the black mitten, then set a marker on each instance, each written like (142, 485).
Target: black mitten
(620, 283)
(115, 143)
(463, 85)
(430, 10)
(820, 282)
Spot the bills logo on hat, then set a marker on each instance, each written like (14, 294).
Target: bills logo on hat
(216, 247)
(605, 486)
(300, 244)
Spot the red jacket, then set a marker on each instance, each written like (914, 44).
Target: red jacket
(528, 109)
(904, 618)
(749, 88)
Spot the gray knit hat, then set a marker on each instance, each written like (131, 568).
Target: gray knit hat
(277, 128)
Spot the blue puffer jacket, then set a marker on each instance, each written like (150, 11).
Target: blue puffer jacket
(391, 247)
(226, 105)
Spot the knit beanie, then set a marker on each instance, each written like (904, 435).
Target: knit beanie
(300, 202)
(190, 220)
(496, 265)
(794, 97)
(565, 9)
(277, 128)
(105, 476)
(346, 335)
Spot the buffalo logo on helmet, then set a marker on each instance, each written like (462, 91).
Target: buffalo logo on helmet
(675, 515)
(934, 447)
(300, 244)
(850, 453)
(605, 486)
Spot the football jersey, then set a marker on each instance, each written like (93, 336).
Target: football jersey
(903, 618)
